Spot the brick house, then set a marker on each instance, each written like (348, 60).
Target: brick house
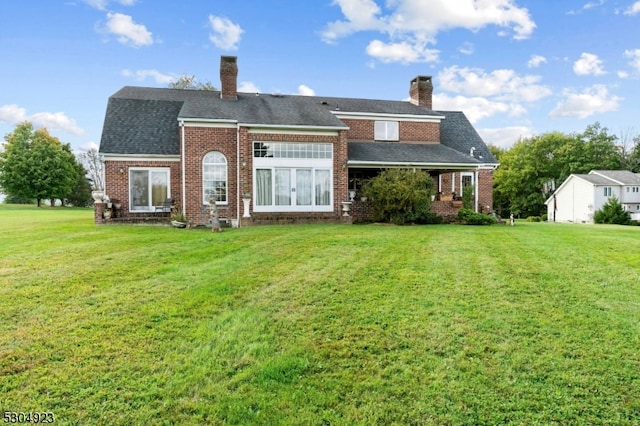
(271, 158)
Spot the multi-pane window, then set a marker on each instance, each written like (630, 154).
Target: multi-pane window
(291, 176)
(214, 177)
(607, 191)
(386, 131)
(148, 187)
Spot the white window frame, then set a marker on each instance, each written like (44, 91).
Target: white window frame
(205, 199)
(607, 191)
(151, 206)
(293, 165)
(462, 175)
(386, 130)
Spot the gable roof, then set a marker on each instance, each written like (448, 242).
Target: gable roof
(619, 177)
(145, 121)
(601, 178)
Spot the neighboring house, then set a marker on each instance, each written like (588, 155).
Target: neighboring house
(581, 195)
(272, 158)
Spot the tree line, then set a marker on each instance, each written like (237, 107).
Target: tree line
(36, 166)
(533, 167)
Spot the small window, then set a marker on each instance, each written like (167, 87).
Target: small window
(607, 191)
(214, 177)
(386, 131)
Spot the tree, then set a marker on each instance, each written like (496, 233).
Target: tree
(94, 167)
(400, 195)
(189, 82)
(36, 165)
(612, 212)
(80, 195)
(533, 167)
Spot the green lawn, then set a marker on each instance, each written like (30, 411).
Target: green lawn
(334, 324)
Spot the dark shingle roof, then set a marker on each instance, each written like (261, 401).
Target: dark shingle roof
(144, 121)
(414, 153)
(144, 127)
(457, 132)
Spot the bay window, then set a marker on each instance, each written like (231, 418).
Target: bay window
(292, 177)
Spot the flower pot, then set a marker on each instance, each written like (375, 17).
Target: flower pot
(97, 195)
(177, 224)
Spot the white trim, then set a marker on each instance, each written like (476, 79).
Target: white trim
(137, 157)
(298, 131)
(444, 166)
(226, 179)
(208, 122)
(149, 209)
(282, 128)
(387, 116)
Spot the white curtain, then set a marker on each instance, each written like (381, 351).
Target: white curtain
(323, 188)
(263, 187)
(283, 187)
(304, 187)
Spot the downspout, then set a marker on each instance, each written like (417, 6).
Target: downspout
(238, 166)
(183, 167)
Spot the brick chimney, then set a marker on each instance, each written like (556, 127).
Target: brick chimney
(421, 91)
(229, 77)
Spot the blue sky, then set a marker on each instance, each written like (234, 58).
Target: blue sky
(515, 67)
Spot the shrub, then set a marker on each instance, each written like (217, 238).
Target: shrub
(400, 196)
(468, 193)
(469, 217)
(533, 219)
(545, 218)
(612, 212)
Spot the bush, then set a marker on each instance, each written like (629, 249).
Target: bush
(545, 218)
(468, 193)
(400, 196)
(612, 212)
(533, 219)
(469, 217)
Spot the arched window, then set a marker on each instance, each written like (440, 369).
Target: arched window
(214, 177)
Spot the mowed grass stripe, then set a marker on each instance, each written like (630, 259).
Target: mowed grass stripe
(374, 324)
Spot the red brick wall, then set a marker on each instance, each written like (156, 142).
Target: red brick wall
(199, 141)
(340, 178)
(117, 184)
(410, 131)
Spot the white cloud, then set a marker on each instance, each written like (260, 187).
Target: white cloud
(475, 108)
(142, 75)
(306, 90)
(127, 31)
(102, 4)
(248, 87)
(13, 114)
(634, 9)
(411, 25)
(634, 58)
(536, 60)
(403, 52)
(503, 84)
(588, 64)
(593, 100)
(466, 48)
(226, 35)
(504, 137)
